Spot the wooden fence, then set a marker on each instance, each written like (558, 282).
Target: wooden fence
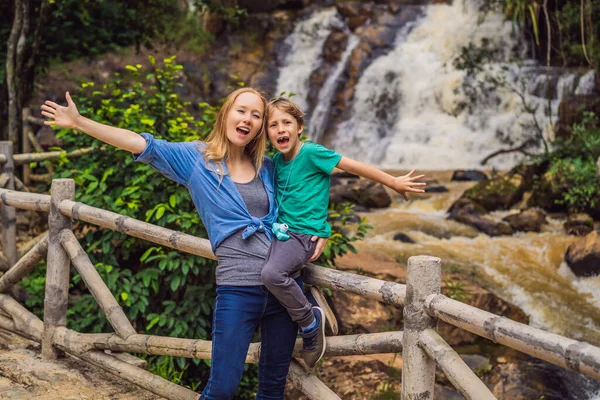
(421, 346)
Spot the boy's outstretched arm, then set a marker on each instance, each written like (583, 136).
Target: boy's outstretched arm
(68, 117)
(401, 184)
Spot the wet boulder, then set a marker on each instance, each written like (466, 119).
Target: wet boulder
(570, 111)
(403, 237)
(462, 175)
(579, 224)
(469, 212)
(499, 193)
(583, 255)
(530, 220)
(361, 192)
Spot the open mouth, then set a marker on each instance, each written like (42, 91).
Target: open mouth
(242, 130)
(283, 140)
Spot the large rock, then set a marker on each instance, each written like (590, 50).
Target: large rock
(361, 192)
(530, 220)
(579, 224)
(357, 314)
(463, 175)
(546, 192)
(583, 255)
(499, 193)
(469, 212)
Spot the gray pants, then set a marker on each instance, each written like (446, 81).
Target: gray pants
(283, 260)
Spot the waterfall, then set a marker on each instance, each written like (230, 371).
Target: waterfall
(305, 46)
(410, 108)
(318, 119)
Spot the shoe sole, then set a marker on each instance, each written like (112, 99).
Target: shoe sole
(323, 322)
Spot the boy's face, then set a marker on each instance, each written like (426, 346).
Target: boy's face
(284, 133)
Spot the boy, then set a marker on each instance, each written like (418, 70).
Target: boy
(303, 171)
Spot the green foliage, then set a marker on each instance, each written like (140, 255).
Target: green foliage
(571, 44)
(230, 11)
(573, 166)
(341, 217)
(457, 290)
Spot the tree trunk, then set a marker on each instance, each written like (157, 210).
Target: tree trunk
(12, 72)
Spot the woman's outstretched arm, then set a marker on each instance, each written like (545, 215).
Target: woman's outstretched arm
(68, 117)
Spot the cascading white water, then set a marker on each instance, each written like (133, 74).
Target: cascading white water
(409, 111)
(305, 48)
(318, 119)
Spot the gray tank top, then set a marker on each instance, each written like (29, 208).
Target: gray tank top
(241, 261)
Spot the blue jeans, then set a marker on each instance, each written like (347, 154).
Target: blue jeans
(238, 312)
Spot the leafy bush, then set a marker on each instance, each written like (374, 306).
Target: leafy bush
(572, 165)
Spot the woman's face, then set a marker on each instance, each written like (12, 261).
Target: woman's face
(244, 119)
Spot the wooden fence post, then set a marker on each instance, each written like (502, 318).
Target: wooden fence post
(9, 214)
(418, 369)
(57, 274)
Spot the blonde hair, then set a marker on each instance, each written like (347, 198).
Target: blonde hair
(285, 105)
(217, 144)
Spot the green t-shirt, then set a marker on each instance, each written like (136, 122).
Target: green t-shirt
(303, 189)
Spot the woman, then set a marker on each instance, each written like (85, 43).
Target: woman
(231, 183)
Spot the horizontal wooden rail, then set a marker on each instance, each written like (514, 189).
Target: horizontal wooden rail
(135, 227)
(455, 369)
(581, 357)
(372, 343)
(371, 288)
(27, 158)
(25, 201)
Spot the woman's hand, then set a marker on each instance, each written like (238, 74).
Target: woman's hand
(65, 117)
(321, 243)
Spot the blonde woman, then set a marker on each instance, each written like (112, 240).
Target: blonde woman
(231, 183)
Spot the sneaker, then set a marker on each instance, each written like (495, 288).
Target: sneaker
(313, 346)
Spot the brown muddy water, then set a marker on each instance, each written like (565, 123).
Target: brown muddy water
(526, 269)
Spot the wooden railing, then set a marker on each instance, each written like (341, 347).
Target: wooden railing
(422, 348)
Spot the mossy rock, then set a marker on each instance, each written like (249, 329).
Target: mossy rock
(499, 193)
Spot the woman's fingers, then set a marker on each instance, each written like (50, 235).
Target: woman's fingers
(52, 104)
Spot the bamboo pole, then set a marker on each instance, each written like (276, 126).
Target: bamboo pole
(4, 179)
(30, 244)
(105, 299)
(8, 214)
(24, 321)
(25, 143)
(25, 201)
(372, 343)
(455, 369)
(330, 319)
(371, 288)
(579, 356)
(21, 159)
(57, 275)
(8, 324)
(24, 265)
(140, 377)
(309, 384)
(418, 370)
(137, 228)
(20, 186)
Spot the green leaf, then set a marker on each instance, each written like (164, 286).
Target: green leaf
(124, 296)
(160, 212)
(173, 200)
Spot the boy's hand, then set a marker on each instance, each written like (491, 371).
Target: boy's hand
(406, 183)
(65, 117)
(321, 242)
